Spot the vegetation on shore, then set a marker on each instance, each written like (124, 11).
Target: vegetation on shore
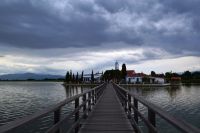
(71, 78)
(186, 77)
(120, 76)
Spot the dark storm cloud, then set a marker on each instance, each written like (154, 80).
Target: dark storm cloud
(190, 7)
(170, 25)
(25, 24)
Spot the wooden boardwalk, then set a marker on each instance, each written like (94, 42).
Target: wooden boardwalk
(108, 116)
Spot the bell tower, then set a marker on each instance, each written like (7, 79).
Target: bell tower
(116, 65)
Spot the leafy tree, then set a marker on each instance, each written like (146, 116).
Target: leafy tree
(70, 76)
(102, 76)
(114, 75)
(73, 78)
(187, 75)
(153, 74)
(123, 71)
(67, 77)
(168, 76)
(77, 78)
(196, 75)
(82, 76)
(175, 75)
(92, 77)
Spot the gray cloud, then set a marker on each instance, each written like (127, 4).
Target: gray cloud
(30, 25)
(69, 28)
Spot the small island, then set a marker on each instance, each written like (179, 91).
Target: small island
(131, 77)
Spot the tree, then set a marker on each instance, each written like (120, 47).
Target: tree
(153, 74)
(70, 76)
(73, 78)
(196, 75)
(77, 77)
(168, 76)
(114, 75)
(92, 77)
(82, 76)
(123, 71)
(102, 76)
(187, 75)
(67, 77)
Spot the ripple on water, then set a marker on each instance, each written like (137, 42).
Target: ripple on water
(182, 102)
(19, 99)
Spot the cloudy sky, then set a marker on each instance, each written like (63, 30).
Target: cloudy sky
(53, 36)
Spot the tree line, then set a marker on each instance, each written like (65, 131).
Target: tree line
(186, 77)
(70, 77)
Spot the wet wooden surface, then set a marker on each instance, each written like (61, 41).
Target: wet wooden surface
(108, 116)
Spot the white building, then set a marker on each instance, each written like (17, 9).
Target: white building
(87, 77)
(157, 80)
(133, 77)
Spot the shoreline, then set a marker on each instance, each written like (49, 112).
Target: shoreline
(80, 84)
(158, 85)
(148, 85)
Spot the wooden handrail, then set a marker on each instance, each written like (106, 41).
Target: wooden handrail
(154, 110)
(20, 122)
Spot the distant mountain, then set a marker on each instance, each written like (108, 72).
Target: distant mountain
(28, 76)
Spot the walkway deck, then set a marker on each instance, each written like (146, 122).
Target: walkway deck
(108, 116)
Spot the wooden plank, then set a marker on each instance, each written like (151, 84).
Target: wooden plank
(108, 116)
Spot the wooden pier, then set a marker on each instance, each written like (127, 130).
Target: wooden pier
(107, 116)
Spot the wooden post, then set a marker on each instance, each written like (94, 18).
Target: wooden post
(89, 102)
(84, 107)
(93, 96)
(151, 118)
(97, 94)
(135, 112)
(125, 101)
(57, 118)
(76, 114)
(121, 97)
(129, 106)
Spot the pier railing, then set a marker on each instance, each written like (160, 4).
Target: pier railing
(130, 102)
(89, 99)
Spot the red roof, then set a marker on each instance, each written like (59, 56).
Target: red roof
(175, 78)
(139, 75)
(130, 73)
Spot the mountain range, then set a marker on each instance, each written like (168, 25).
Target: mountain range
(28, 76)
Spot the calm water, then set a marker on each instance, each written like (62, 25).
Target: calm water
(182, 102)
(19, 99)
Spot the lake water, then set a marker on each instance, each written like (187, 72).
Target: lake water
(180, 101)
(19, 99)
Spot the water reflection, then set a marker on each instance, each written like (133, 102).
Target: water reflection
(180, 101)
(74, 90)
(173, 91)
(19, 99)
